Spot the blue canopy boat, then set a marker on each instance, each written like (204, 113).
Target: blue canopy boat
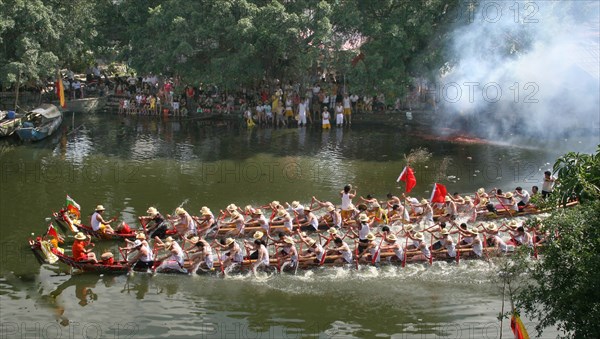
(40, 123)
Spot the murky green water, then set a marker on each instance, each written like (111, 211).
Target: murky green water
(129, 163)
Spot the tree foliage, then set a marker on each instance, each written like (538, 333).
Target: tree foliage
(579, 174)
(564, 289)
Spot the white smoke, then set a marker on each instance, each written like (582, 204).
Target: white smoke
(525, 67)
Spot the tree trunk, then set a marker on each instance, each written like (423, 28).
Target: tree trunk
(17, 90)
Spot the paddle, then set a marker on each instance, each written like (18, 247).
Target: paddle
(220, 261)
(356, 253)
(503, 206)
(325, 251)
(431, 250)
(374, 259)
(458, 250)
(405, 250)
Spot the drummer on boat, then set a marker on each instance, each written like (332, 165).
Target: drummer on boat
(99, 224)
(80, 252)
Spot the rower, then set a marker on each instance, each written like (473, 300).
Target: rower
(231, 208)
(481, 197)
(234, 254)
(336, 217)
(396, 214)
(185, 225)
(393, 200)
(206, 221)
(341, 248)
(237, 220)
(315, 250)
(474, 243)
(289, 253)
(523, 195)
(284, 216)
(262, 259)
(347, 195)
(201, 254)
(158, 225)
(296, 208)
(311, 219)
(414, 204)
(392, 245)
(261, 220)
(174, 260)
(494, 240)
(258, 235)
(450, 209)
(470, 209)
(321, 204)
(510, 202)
(99, 224)
(420, 245)
(371, 248)
(143, 260)
(379, 214)
(447, 243)
(107, 258)
(248, 210)
(80, 252)
(522, 237)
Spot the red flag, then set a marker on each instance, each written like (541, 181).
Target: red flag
(408, 176)
(52, 232)
(439, 193)
(518, 327)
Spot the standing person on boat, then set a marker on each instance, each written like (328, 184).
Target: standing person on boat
(233, 254)
(99, 224)
(185, 225)
(79, 251)
(523, 197)
(364, 229)
(262, 259)
(392, 245)
(201, 253)
(143, 260)
(311, 219)
(548, 184)
(157, 226)
(343, 250)
(174, 260)
(347, 194)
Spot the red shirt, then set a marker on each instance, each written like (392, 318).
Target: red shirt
(79, 250)
(125, 229)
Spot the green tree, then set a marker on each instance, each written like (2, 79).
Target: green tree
(579, 174)
(564, 289)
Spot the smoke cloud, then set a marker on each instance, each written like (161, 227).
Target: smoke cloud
(525, 68)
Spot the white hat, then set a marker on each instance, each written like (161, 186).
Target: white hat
(258, 235)
(332, 230)
(330, 208)
(370, 236)
(204, 210)
(80, 236)
(137, 243)
(282, 213)
(288, 240)
(99, 208)
(179, 211)
(152, 211)
(295, 204)
(419, 236)
(363, 217)
(232, 207)
(391, 237)
(229, 241)
(141, 236)
(310, 241)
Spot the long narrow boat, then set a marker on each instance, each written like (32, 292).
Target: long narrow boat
(40, 123)
(120, 267)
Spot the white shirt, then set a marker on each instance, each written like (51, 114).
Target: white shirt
(525, 197)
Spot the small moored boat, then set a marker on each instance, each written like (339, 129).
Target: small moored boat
(9, 122)
(40, 123)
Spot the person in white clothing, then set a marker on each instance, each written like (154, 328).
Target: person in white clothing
(339, 115)
(347, 195)
(325, 116)
(99, 224)
(263, 256)
(302, 107)
(343, 250)
(523, 195)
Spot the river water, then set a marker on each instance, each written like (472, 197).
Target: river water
(130, 163)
